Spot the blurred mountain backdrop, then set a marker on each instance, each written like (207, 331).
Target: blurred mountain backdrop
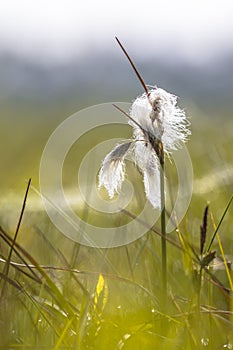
(96, 79)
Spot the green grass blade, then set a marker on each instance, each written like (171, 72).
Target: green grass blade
(219, 224)
(62, 336)
(225, 263)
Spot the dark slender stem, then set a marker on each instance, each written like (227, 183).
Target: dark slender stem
(129, 117)
(20, 220)
(135, 69)
(7, 266)
(199, 278)
(163, 224)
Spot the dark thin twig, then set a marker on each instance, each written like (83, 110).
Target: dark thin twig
(9, 280)
(18, 266)
(163, 226)
(7, 266)
(128, 116)
(216, 282)
(20, 220)
(8, 240)
(135, 69)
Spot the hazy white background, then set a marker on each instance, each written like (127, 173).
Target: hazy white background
(55, 31)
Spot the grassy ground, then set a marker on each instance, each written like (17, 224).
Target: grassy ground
(57, 294)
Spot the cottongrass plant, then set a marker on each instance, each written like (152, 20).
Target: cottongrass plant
(159, 127)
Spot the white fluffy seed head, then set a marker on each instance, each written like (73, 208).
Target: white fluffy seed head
(168, 124)
(159, 117)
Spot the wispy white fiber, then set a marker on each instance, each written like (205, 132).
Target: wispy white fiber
(170, 125)
(112, 172)
(158, 120)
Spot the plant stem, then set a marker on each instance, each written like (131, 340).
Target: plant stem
(7, 266)
(219, 224)
(163, 224)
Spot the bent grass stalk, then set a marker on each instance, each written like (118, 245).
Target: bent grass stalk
(7, 266)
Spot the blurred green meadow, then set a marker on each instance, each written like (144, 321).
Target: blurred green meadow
(58, 294)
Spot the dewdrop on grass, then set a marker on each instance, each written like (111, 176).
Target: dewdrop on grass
(155, 119)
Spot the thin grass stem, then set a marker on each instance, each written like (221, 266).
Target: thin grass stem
(219, 224)
(135, 69)
(129, 262)
(163, 225)
(7, 266)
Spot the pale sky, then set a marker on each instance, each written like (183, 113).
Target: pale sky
(199, 30)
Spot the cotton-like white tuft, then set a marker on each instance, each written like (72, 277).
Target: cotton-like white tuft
(147, 161)
(152, 187)
(158, 120)
(112, 172)
(170, 125)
